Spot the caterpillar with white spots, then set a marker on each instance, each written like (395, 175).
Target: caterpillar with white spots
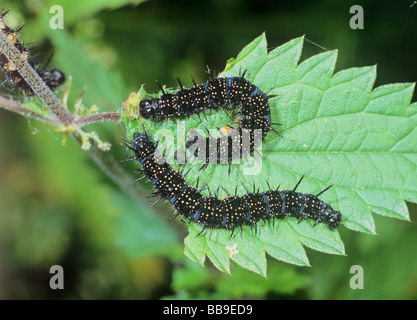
(233, 211)
(52, 78)
(236, 94)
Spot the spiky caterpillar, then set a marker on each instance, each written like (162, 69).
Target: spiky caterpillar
(53, 78)
(233, 211)
(235, 93)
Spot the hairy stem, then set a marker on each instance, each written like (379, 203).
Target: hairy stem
(15, 106)
(99, 117)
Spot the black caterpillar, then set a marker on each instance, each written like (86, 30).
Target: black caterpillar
(233, 211)
(234, 93)
(53, 78)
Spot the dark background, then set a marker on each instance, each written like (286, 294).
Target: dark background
(56, 207)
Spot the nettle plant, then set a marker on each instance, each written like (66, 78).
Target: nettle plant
(335, 130)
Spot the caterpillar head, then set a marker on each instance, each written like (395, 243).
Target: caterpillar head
(53, 78)
(332, 218)
(143, 146)
(148, 108)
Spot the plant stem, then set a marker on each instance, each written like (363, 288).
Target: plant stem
(15, 106)
(99, 117)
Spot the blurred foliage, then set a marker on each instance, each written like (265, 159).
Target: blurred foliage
(57, 208)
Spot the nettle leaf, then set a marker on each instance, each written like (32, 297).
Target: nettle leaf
(336, 131)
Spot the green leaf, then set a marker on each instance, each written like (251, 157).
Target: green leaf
(336, 131)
